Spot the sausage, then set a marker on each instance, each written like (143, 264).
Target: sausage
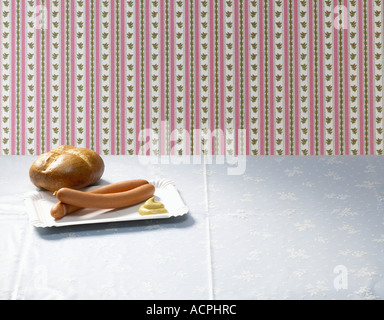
(106, 201)
(61, 209)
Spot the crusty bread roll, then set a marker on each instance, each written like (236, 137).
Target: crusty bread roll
(66, 166)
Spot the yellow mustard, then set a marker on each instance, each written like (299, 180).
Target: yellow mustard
(152, 207)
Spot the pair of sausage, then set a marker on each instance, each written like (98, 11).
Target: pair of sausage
(115, 195)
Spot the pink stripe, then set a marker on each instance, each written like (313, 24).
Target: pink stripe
(23, 30)
(38, 85)
(311, 81)
(62, 74)
(1, 95)
(112, 93)
(371, 82)
(13, 78)
(186, 76)
(296, 75)
(346, 87)
(381, 74)
(123, 60)
(272, 82)
(48, 76)
(286, 78)
(172, 68)
(97, 75)
(87, 74)
(162, 79)
(196, 140)
(321, 78)
(73, 80)
(137, 75)
(212, 70)
(361, 76)
(147, 51)
(246, 73)
(336, 86)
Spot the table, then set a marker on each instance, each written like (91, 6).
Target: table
(266, 227)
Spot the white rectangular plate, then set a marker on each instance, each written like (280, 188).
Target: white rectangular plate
(39, 204)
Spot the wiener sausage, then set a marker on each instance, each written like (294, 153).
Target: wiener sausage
(61, 209)
(105, 201)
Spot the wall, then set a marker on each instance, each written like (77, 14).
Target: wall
(191, 77)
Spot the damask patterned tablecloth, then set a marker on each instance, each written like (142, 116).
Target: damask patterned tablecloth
(279, 228)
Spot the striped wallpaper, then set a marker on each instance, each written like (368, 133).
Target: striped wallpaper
(271, 77)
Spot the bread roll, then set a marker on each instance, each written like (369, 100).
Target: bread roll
(66, 166)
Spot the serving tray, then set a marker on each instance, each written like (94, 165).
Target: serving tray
(39, 204)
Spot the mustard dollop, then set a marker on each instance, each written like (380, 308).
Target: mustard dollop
(152, 207)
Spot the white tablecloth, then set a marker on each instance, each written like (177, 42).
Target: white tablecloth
(285, 228)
